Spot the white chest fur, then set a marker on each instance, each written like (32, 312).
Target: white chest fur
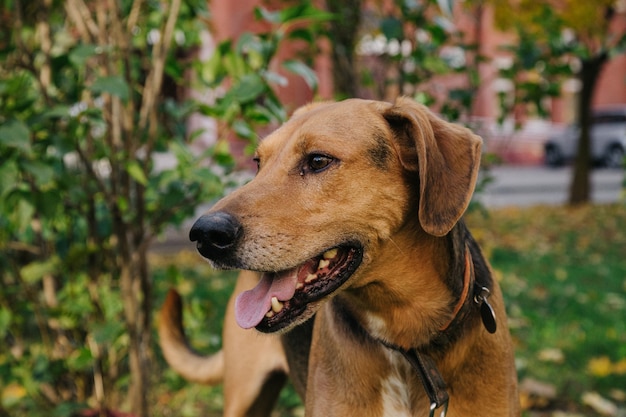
(396, 390)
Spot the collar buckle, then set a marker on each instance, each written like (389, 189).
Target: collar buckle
(434, 406)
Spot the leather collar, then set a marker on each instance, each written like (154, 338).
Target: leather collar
(472, 295)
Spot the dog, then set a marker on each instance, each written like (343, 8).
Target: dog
(369, 291)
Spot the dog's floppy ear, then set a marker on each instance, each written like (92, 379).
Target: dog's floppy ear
(446, 158)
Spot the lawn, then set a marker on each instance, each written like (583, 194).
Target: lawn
(563, 274)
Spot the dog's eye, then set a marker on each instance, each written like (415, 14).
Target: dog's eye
(318, 163)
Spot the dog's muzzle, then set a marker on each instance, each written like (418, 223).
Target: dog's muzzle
(217, 235)
(284, 296)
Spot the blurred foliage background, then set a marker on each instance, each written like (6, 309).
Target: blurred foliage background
(93, 92)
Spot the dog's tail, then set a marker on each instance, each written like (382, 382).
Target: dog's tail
(177, 351)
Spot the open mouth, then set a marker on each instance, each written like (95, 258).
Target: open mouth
(285, 297)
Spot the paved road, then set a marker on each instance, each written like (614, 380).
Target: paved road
(527, 186)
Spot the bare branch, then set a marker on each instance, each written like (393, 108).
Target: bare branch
(79, 22)
(133, 17)
(152, 87)
(80, 14)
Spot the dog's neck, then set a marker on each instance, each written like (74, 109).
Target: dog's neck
(411, 308)
(436, 354)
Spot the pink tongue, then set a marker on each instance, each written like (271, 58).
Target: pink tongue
(252, 305)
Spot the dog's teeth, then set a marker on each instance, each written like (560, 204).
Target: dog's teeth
(310, 277)
(330, 254)
(277, 306)
(269, 314)
(299, 286)
(323, 263)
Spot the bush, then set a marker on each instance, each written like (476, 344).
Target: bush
(84, 107)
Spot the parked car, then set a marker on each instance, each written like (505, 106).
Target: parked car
(608, 140)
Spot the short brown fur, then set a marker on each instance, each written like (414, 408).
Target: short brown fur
(400, 180)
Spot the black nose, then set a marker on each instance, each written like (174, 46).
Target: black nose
(217, 234)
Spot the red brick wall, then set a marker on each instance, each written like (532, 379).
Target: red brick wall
(234, 17)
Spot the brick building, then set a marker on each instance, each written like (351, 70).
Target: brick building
(232, 18)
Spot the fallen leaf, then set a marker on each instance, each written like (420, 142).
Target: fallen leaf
(600, 367)
(12, 394)
(535, 394)
(538, 388)
(559, 413)
(619, 368)
(618, 395)
(551, 355)
(599, 404)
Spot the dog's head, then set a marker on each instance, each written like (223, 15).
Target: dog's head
(334, 184)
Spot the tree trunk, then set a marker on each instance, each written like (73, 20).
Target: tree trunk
(580, 187)
(344, 31)
(136, 295)
(144, 329)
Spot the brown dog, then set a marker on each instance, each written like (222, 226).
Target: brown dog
(365, 268)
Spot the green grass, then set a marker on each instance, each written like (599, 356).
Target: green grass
(563, 275)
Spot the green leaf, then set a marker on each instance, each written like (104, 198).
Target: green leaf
(275, 78)
(222, 153)
(35, 271)
(304, 11)
(68, 409)
(108, 331)
(248, 89)
(42, 173)
(243, 130)
(113, 85)
(5, 321)
(435, 64)
(15, 134)
(50, 202)
(276, 108)
(25, 209)
(9, 175)
(234, 64)
(257, 50)
(136, 172)
(259, 113)
(79, 55)
(391, 27)
(212, 69)
(304, 71)
(57, 111)
(80, 360)
(264, 14)
(302, 34)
